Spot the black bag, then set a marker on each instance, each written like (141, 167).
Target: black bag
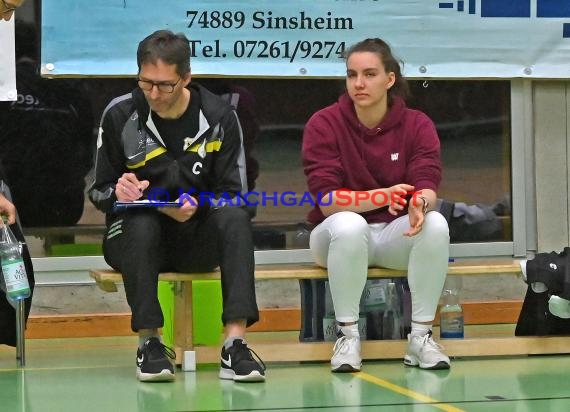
(471, 223)
(312, 310)
(553, 270)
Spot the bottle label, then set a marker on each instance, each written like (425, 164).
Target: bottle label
(374, 295)
(451, 335)
(329, 329)
(15, 276)
(451, 325)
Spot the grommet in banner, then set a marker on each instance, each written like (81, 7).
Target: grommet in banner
(423, 69)
(302, 70)
(50, 66)
(11, 95)
(527, 71)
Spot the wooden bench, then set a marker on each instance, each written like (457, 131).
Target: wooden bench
(272, 349)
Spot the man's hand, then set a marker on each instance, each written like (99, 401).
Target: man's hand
(7, 209)
(129, 188)
(7, 8)
(183, 213)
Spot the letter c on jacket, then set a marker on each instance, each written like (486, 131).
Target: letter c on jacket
(197, 168)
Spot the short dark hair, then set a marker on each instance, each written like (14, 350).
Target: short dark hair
(167, 46)
(391, 64)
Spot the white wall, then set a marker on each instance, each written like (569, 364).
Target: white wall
(551, 116)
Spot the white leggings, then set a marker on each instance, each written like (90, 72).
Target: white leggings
(347, 245)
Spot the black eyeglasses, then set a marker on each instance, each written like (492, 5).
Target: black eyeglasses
(162, 87)
(8, 7)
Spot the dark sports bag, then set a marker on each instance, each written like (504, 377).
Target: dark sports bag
(553, 270)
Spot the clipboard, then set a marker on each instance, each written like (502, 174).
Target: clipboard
(144, 203)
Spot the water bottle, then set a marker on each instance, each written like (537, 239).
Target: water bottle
(391, 321)
(451, 313)
(13, 268)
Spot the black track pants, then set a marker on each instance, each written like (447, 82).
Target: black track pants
(140, 243)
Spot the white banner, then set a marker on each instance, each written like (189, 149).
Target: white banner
(7, 63)
(434, 38)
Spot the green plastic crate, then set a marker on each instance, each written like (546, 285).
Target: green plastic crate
(206, 311)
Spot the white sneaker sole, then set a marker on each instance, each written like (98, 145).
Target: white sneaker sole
(346, 368)
(164, 376)
(229, 374)
(411, 361)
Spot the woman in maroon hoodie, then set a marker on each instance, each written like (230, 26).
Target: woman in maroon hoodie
(374, 166)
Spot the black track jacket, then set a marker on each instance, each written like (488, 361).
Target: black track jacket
(128, 141)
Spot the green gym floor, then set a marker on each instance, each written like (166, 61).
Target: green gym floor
(98, 374)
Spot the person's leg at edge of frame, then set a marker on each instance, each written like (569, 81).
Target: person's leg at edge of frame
(340, 243)
(130, 246)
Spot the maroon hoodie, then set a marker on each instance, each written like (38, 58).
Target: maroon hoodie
(341, 153)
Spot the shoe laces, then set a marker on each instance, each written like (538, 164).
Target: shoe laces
(245, 352)
(343, 344)
(428, 344)
(157, 349)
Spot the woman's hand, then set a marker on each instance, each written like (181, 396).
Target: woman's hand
(397, 197)
(416, 216)
(418, 208)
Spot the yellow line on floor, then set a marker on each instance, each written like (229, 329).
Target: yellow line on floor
(406, 392)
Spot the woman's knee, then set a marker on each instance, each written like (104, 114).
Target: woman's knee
(348, 226)
(345, 232)
(436, 227)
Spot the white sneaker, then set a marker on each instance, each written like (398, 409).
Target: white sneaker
(346, 355)
(424, 352)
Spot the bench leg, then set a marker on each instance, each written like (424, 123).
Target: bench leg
(183, 339)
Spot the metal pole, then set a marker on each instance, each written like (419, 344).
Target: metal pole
(20, 331)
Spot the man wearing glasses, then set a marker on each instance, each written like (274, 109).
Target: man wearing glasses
(172, 140)
(7, 8)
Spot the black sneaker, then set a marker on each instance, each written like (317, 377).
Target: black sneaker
(153, 363)
(238, 364)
